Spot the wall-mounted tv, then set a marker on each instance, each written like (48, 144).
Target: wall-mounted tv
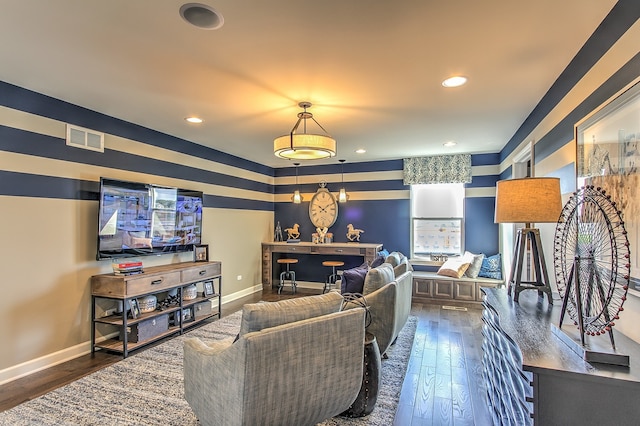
(139, 219)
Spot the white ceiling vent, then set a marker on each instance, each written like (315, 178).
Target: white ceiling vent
(85, 138)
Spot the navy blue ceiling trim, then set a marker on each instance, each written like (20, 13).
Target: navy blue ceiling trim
(563, 132)
(22, 99)
(621, 17)
(377, 185)
(330, 169)
(373, 166)
(485, 159)
(36, 144)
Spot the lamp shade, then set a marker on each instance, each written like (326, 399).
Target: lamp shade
(528, 200)
(304, 146)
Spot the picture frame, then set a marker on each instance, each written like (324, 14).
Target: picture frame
(608, 156)
(187, 315)
(208, 288)
(134, 308)
(201, 253)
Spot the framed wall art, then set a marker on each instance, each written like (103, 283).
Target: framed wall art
(201, 253)
(608, 156)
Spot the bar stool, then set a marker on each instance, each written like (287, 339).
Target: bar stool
(288, 274)
(333, 277)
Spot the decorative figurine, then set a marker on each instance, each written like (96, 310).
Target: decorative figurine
(278, 233)
(322, 232)
(293, 233)
(353, 234)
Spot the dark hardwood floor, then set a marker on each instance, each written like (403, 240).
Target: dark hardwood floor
(443, 384)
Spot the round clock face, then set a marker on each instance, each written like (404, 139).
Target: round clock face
(323, 209)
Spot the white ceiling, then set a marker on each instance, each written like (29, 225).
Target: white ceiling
(372, 69)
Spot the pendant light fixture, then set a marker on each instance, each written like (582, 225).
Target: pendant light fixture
(302, 145)
(342, 196)
(296, 198)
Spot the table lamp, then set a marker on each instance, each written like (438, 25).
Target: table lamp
(528, 200)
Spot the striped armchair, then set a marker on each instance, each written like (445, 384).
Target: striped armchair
(296, 373)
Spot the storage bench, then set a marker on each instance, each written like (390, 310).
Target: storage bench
(429, 285)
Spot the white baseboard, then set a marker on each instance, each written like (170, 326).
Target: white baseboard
(47, 361)
(50, 360)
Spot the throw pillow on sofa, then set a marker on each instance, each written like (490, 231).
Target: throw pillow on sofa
(394, 258)
(379, 260)
(377, 278)
(454, 267)
(475, 264)
(257, 316)
(353, 279)
(491, 267)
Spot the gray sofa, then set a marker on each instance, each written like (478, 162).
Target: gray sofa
(387, 290)
(295, 362)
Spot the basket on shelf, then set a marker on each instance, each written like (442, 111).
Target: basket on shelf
(190, 292)
(147, 303)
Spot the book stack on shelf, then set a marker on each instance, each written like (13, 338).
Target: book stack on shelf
(127, 268)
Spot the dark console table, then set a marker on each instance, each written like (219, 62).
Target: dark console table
(533, 377)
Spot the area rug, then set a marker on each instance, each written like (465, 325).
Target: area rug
(147, 388)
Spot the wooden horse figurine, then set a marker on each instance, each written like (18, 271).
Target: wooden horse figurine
(353, 234)
(293, 233)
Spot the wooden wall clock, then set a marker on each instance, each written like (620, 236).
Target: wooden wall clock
(323, 208)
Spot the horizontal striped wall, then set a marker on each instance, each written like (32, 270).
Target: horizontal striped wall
(604, 68)
(38, 137)
(606, 65)
(379, 203)
(48, 199)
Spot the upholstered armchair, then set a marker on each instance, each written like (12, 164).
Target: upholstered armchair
(387, 289)
(297, 373)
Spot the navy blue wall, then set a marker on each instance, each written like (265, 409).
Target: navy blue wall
(385, 219)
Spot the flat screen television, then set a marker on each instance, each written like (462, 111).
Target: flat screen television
(139, 219)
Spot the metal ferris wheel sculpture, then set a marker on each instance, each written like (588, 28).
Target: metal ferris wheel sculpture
(591, 262)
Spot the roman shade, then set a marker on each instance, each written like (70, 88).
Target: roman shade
(437, 169)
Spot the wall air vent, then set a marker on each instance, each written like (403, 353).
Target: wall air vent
(85, 138)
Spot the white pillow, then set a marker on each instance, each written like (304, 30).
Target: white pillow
(454, 268)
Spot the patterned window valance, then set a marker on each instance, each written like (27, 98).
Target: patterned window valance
(438, 169)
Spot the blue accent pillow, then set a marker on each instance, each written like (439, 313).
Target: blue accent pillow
(353, 279)
(383, 252)
(491, 267)
(379, 260)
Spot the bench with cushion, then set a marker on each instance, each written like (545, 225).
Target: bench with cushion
(459, 278)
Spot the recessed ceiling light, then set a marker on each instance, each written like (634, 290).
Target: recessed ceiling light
(360, 151)
(449, 143)
(194, 120)
(454, 81)
(201, 16)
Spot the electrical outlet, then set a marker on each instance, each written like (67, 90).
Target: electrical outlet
(239, 277)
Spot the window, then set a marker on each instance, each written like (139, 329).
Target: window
(437, 219)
